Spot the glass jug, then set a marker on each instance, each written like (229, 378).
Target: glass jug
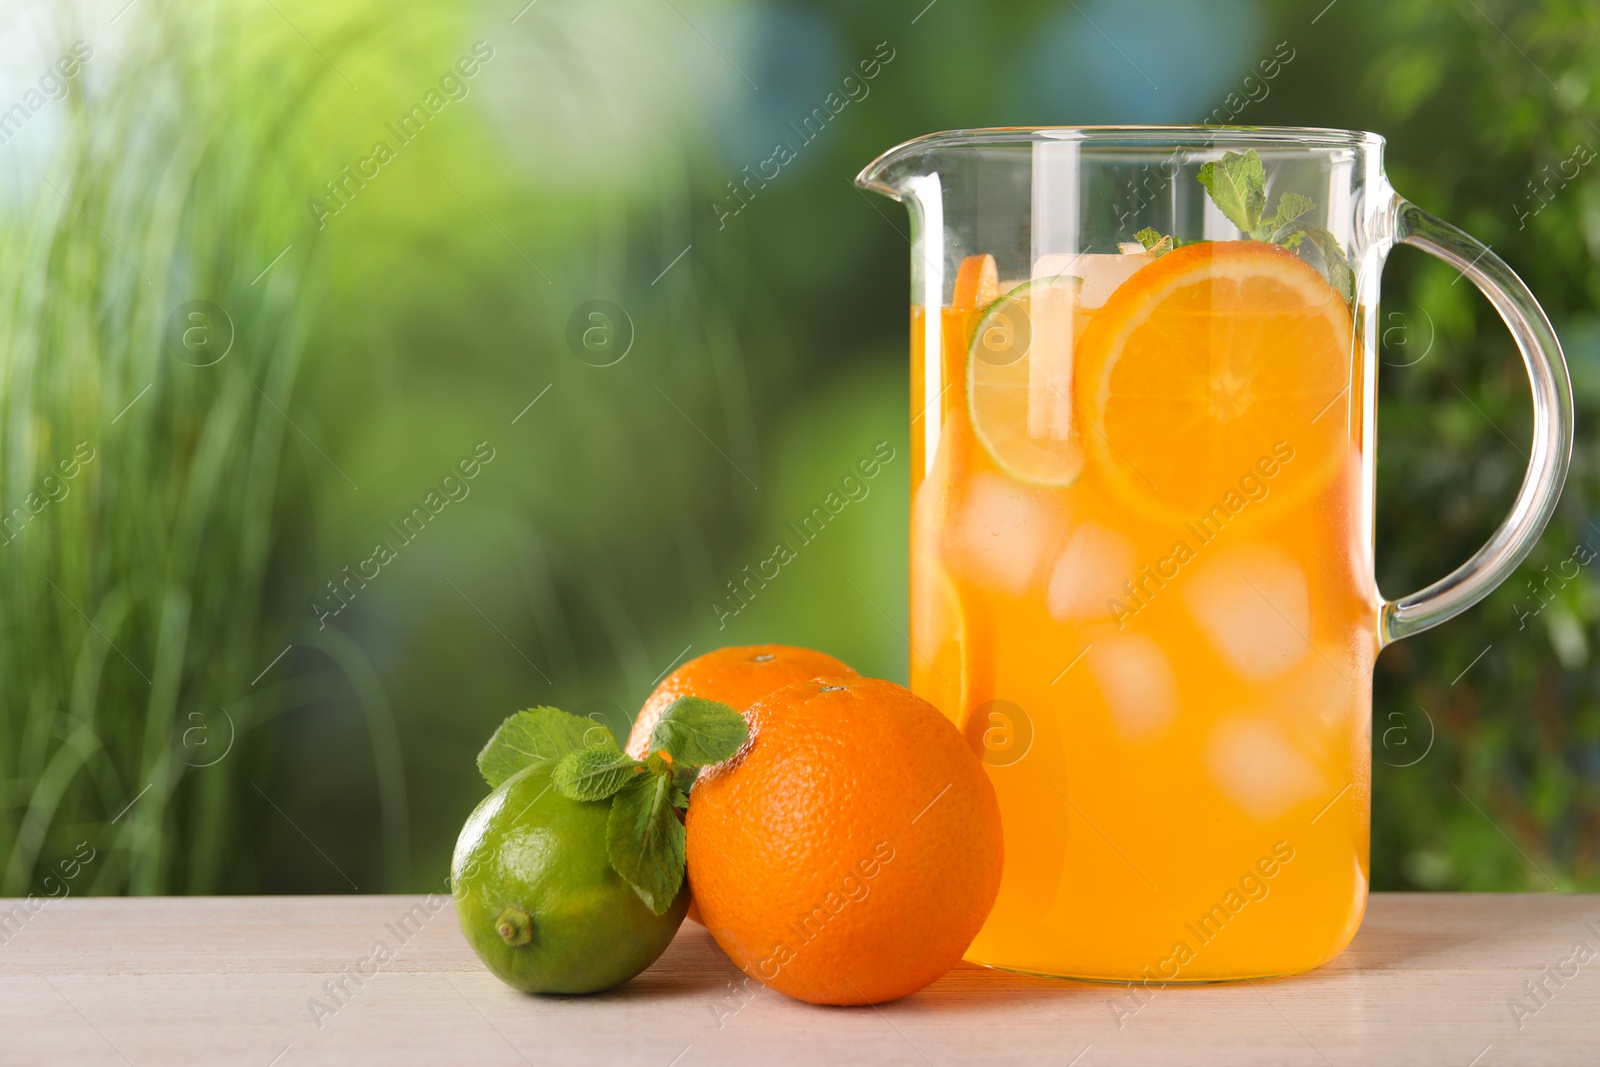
(1143, 370)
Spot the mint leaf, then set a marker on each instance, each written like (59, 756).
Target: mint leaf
(1279, 224)
(1238, 185)
(683, 780)
(645, 840)
(695, 731)
(1154, 243)
(1321, 249)
(537, 737)
(594, 773)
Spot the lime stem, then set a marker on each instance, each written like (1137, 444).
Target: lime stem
(514, 925)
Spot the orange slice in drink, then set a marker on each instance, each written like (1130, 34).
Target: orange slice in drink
(938, 638)
(1019, 381)
(1214, 375)
(977, 283)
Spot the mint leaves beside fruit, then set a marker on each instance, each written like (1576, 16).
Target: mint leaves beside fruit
(593, 773)
(537, 737)
(644, 836)
(695, 732)
(1238, 186)
(645, 839)
(647, 843)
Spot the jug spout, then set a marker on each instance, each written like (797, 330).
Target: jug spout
(895, 173)
(905, 170)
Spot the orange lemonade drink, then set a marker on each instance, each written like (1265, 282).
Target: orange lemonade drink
(1141, 587)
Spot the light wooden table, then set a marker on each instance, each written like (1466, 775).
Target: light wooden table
(231, 980)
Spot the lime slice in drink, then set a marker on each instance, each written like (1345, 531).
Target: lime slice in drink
(1019, 380)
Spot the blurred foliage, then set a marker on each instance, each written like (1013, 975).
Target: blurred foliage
(1482, 108)
(140, 490)
(582, 161)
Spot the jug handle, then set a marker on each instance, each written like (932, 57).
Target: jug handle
(1552, 426)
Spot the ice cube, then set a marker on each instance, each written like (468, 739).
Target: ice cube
(1101, 273)
(1251, 601)
(1325, 695)
(1088, 573)
(999, 534)
(1137, 682)
(1257, 768)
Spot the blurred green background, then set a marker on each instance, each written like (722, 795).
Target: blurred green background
(208, 672)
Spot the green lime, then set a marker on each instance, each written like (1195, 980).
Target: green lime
(537, 896)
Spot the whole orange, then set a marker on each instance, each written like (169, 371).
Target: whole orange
(738, 675)
(851, 850)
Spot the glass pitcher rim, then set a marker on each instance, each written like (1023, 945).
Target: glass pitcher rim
(1173, 135)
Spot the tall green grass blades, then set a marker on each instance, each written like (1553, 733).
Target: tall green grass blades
(142, 490)
(385, 739)
(54, 782)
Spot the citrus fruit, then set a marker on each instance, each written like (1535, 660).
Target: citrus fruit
(851, 851)
(977, 283)
(1019, 381)
(538, 899)
(738, 675)
(1202, 364)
